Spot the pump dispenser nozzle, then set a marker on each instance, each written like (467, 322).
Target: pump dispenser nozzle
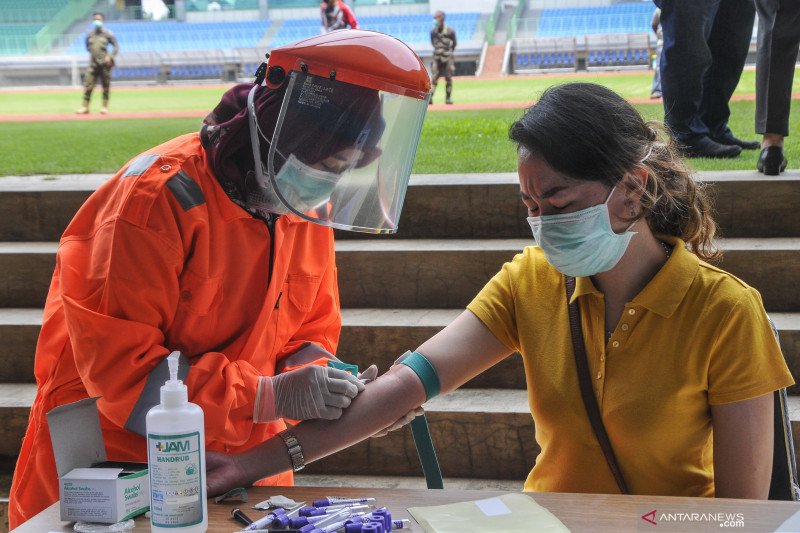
(174, 393)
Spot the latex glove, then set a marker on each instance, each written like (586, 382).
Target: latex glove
(312, 392)
(405, 420)
(369, 374)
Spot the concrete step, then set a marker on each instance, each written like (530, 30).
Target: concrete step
(427, 273)
(15, 405)
(369, 336)
(478, 206)
(422, 273)
(479, 434)
(463, 206)
(493, 62)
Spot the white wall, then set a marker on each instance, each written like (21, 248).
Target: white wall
(222, 16)
(481, 6)
(555, 4)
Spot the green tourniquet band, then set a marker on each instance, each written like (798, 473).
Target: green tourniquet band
(353, 369)
(419, 426)
(427, 455)
(424, 371)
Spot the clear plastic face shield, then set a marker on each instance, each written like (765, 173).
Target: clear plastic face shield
(341, 154)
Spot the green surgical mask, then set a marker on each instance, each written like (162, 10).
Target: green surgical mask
(304, 187)
(581, 243)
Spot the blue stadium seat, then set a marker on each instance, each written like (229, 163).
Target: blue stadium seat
(170, 35)
(628, 17)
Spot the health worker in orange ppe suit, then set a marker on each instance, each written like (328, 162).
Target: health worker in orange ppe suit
(219, 244)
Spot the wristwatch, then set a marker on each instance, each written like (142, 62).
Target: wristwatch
(295, 451)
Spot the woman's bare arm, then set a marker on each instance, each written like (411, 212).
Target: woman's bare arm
(743, 441)
(459, 352)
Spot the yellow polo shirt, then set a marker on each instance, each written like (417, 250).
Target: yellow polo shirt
(693, 337)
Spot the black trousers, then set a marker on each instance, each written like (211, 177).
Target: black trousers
(705, 47)
(778, 42)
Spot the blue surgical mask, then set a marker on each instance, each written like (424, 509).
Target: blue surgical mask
(581, 243)
(97, 24)
(304, 187)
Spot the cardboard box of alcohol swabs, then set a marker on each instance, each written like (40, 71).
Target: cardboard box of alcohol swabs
(91, 488)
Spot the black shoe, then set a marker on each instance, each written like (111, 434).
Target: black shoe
(705, 147)
(729, 139)
(448, 101)
(772, 161)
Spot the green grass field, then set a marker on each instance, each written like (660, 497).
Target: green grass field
(452, 141)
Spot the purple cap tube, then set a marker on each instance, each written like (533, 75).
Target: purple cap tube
(280, 522)
(298, 522)
(264, 521)
(378, 522)
(331, 500)
(323, 521)
(404, 523)
(371, 527)
(311, 511)
(307, 528)
(353, 528)
(336, 526)
(384, 515)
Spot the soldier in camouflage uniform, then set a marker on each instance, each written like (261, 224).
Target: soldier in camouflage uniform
(100, 62)
(443, 39)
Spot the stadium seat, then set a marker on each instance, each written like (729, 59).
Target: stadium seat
(172, 35)
(627, 17)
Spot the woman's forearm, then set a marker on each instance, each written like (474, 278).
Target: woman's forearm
(459, 352)
(383, 402)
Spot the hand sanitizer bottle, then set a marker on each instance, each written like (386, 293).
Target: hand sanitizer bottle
(176, 457)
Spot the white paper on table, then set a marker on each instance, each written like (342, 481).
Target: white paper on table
(510, 513)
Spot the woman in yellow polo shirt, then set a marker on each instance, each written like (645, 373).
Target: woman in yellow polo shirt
(678, 350)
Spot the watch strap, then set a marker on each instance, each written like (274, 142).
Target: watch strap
(294, 449)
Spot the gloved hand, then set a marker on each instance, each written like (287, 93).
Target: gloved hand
(405, 420)
(309, 392)
(369, 374)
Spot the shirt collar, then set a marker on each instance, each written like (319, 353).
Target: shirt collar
(666, 290)
(669, 286)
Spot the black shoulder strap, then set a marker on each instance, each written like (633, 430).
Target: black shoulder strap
(587, 392)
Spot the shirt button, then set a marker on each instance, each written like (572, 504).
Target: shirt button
(599, 375)
(624, 327)
(631, 311)
(615, 344)
(602, 358)
(186, 295)
(165, 168)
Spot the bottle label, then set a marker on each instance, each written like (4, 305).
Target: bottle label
(176, 481)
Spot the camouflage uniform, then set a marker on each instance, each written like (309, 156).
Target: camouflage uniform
(443, 40)
(97, 42)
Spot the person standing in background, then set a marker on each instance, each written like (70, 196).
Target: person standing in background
(100, 62)
(705, 47)
(336, 15)
(655, 89)
(443, 39)
(778, 42)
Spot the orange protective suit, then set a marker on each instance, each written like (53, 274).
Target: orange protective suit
(160, 259)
